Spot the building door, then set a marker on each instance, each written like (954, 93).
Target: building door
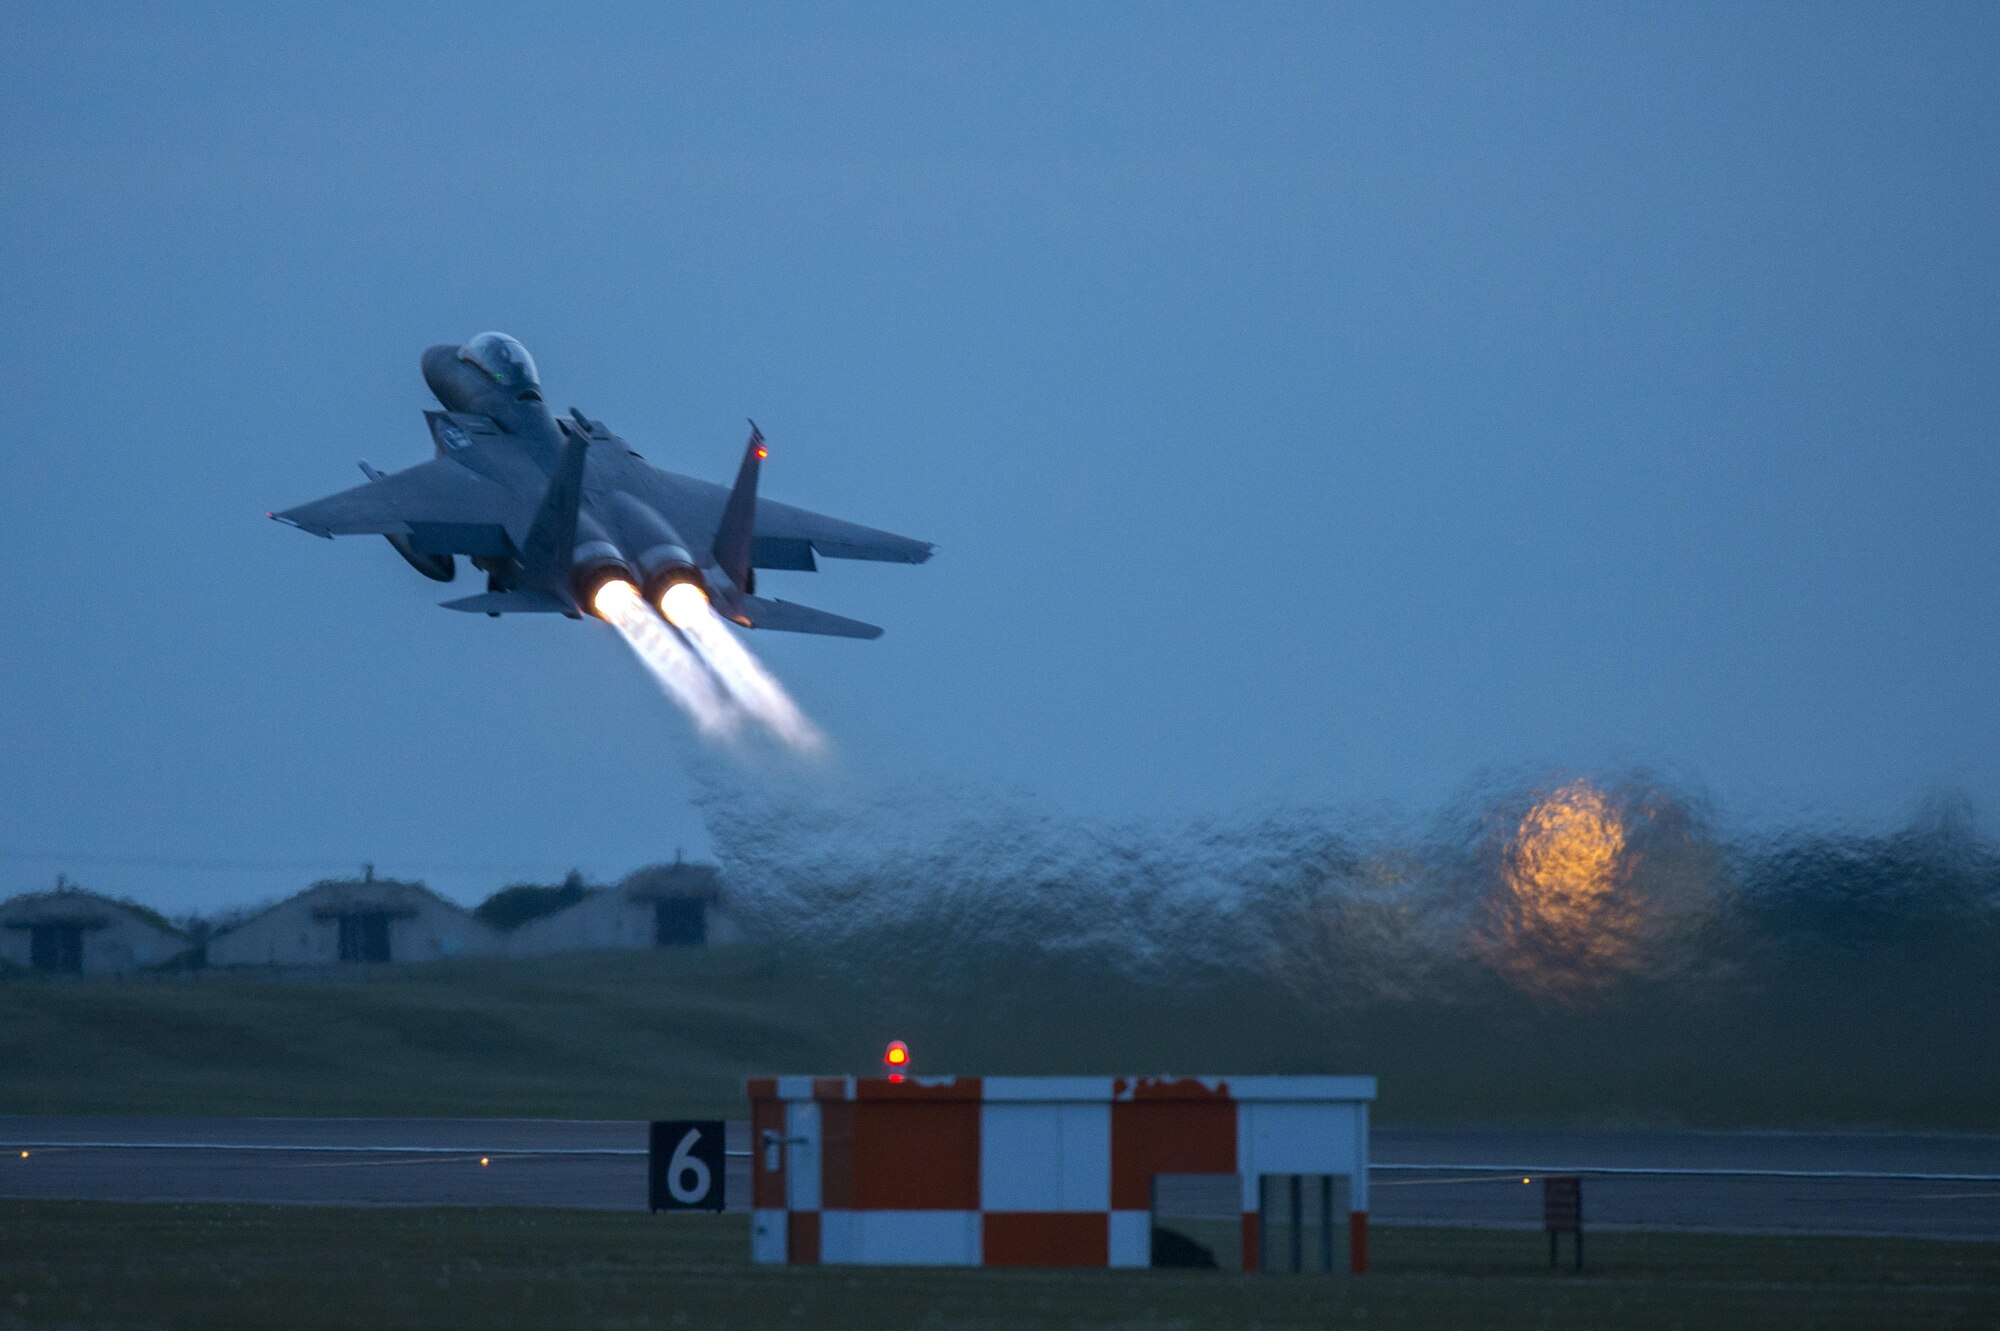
(1302, 1221)
(680, 922)
(56, 947)
(364, 935)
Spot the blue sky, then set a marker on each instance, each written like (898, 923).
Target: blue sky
(1311, 403)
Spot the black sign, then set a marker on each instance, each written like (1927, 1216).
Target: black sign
(1562, 1204)
(684, 1169)
(1562, 1212)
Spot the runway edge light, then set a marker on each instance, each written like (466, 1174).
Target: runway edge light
(897, 1056)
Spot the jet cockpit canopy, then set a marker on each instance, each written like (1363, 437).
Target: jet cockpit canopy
(503, 360)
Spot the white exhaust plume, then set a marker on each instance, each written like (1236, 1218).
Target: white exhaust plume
(754, 688)
(680, 675)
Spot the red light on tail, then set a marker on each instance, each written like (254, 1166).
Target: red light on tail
(898, 1055)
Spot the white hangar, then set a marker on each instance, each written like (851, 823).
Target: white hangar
(73, 932)
(356, 921)
(662, 905)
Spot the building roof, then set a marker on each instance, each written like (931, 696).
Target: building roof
(331, 898)
(76, 905)
(679, 879)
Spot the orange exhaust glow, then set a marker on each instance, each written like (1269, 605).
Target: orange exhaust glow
(612, 597)
(682, 604)
(672, 664)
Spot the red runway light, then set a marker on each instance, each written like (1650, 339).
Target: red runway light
(898, 1055)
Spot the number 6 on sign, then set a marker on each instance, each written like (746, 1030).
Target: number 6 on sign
(684, 1166)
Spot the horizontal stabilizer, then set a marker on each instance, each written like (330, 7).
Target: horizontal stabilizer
(516, 602)
(790, 617)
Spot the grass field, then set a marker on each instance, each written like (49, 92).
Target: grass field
(88, 1265)
(635, 1035)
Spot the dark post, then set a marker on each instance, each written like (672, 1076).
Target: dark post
(1326, 1223)
(1298, 1225)
(1263, 1222)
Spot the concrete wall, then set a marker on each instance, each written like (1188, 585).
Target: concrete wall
(113, 938)
(305, 930)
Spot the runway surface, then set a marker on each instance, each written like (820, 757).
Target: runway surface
(1464, 1192)
(1469, 1176)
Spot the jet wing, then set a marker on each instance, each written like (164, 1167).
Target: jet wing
(792, 617)
(442, 507)
(784, 537)
(834, 538)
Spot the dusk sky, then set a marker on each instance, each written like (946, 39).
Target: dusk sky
(1316, 404)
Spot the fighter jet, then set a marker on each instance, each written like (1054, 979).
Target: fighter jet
(555, 510)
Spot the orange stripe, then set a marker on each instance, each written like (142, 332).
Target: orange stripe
(802, 1238)
(914, 1157)
(1046, 1238)
(1178, 1136)
(767, 1187)
(918, 1088)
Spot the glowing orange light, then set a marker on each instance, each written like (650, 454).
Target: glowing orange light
(483, 1162)
(1566, 924)
(24, 1155)
(899, 1054)
(682, 603)
(763, 452)
(614, 596)
(1524, 1180)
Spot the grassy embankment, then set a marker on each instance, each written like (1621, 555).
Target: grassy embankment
(641, 1035)
(86, 1265)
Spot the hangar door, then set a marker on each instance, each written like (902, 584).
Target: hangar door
(364, 935)
(56, 947)
(680, 922)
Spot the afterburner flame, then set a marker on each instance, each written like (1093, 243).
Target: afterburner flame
(610, 598)
(679, 674)
(743, 676)
(682, 602)
(1563, 921)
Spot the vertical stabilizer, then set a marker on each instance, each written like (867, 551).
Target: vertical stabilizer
(739, 515)
(552, 539)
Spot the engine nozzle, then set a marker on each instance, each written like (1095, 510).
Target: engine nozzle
(596, 566)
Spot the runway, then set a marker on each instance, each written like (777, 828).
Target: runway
(594, 1164)
(1896, 1184)
(1782, 1195)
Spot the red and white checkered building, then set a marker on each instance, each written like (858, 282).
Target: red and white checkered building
(1030, 1171)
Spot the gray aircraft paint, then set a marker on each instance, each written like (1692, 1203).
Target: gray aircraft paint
(548, 507)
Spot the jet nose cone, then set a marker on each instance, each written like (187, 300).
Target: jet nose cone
(438, 363)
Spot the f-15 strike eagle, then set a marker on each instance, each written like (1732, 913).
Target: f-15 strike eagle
(555, 510)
